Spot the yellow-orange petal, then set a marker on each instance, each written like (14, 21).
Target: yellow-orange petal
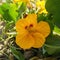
(40, 4)
(43, 11)
(39, 40)
(31, 19)
(44, 28)
(25, 42)
(20, 27)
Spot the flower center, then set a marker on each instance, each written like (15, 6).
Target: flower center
(31, 25)
(29, 28)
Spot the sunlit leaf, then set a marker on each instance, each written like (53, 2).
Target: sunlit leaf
(57, 30)
(8, 11)
(4, 11)
(13, 11)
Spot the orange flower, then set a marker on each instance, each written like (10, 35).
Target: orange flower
(30, 33)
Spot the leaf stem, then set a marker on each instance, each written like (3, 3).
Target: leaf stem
(50, 46)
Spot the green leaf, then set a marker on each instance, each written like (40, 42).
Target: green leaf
(57, 30)
(4, 11)
(13, 11)
(53, 7)
(41, 17)
(21, 9)
(8, 11)
(1, 12)
(53, 45)
(50, 50)
(17, 54)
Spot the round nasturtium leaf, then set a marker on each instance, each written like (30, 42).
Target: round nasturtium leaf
(53, 7)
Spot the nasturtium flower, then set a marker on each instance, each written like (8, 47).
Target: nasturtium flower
(41, 5)
(31, 33)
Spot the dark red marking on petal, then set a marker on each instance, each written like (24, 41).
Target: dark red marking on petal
(26, 27)
(31, 25)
